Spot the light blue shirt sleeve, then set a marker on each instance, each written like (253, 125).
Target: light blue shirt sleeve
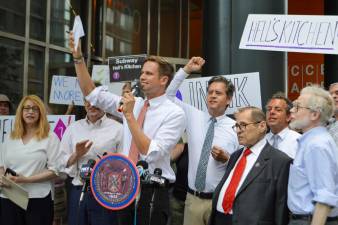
(321, 174)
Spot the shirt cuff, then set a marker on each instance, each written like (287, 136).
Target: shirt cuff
(93, 95)
(325, 197)
(181, 74)
(153, 148)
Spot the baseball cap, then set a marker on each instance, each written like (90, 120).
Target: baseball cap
(4, 98)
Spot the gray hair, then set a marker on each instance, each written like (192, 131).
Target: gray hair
(320, 101)
(333, 84)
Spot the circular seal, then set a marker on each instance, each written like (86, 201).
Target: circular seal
(115, 181)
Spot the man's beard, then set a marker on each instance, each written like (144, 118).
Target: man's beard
(300, 124)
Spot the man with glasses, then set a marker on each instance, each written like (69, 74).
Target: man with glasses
(254, 187)
(313, 181)
(278, 118)
(210, 139)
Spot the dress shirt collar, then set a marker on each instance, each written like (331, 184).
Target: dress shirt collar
(154, 102)
(218, 118)
(98, 122)
(311, 132)
(282, 134)
(257, 148)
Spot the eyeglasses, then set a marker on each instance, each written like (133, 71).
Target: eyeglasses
(34, 109)
(242, 126)
(296, 106)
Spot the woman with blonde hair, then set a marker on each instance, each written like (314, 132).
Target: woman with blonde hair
(32, 152)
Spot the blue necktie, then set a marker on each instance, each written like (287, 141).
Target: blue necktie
(204, 158)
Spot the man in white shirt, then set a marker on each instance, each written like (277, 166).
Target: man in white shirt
(333, 125)
(278, 118)
(253, 189)
(210, 139)
(83, 140)
(152, 127)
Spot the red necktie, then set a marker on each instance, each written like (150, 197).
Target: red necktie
(133, 151)
(230, 193)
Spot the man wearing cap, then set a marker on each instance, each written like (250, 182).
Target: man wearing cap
(5, 105)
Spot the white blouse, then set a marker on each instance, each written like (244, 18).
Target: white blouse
(30, 159)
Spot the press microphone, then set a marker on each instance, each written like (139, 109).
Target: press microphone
(157, 178)
(85, 173)
(142, 168)
(135, 90)
(11, 172)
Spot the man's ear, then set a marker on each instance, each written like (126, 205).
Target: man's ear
(288, 117)
(315, 115)
(164, 80)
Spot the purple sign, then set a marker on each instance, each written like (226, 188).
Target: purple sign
(60, 129)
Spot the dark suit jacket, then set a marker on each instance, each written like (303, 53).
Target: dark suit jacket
(262, 197)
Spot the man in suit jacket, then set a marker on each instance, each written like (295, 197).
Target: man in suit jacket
(254, 187)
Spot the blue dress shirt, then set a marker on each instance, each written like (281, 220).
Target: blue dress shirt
(314, 173)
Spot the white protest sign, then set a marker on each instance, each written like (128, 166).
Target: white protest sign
(292, 33)
(78, 31)
(247, 91)
(64, 90)
(58, 124)
(100, 74)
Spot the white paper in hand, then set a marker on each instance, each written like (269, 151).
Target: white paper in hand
(77, 30)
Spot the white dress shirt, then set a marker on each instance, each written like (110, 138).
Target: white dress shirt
(287, 141)
(164, 124)
(106, 135)
(197, 126)
(30, 159)
(250, 161)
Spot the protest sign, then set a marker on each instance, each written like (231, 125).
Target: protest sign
(58, 124)
(125, 68)
(292, 33)
(247, 91)
(100, 74)
(65, 90)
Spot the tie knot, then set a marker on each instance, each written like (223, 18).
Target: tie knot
(247, 152)
(146, 103)
(213, 119)
(275, 136)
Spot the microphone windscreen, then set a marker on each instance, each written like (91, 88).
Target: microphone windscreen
(143, 164)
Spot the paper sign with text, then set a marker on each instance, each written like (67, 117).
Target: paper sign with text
(247, 91)
(100, 74)
(58, 124)
(64, 90)
(292, 33)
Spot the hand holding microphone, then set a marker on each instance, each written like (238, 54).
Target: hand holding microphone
(135, 91)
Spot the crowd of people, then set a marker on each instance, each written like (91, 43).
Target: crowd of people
(279, 167)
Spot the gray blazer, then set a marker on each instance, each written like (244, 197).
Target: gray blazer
(262, 198)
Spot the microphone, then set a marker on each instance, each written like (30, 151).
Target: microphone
(142, 168)
(11, 172)
(85, 172)
(135, 90)
(157, 178)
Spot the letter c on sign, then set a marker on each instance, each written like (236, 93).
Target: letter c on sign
(309, 70)
(294, 70)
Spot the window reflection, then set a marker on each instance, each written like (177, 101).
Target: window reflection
(60, 63)
(36, 64)
(126, 27)
(62, 19)
(38, 20)
(11, 68)
(12, 16)
(169, 31)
